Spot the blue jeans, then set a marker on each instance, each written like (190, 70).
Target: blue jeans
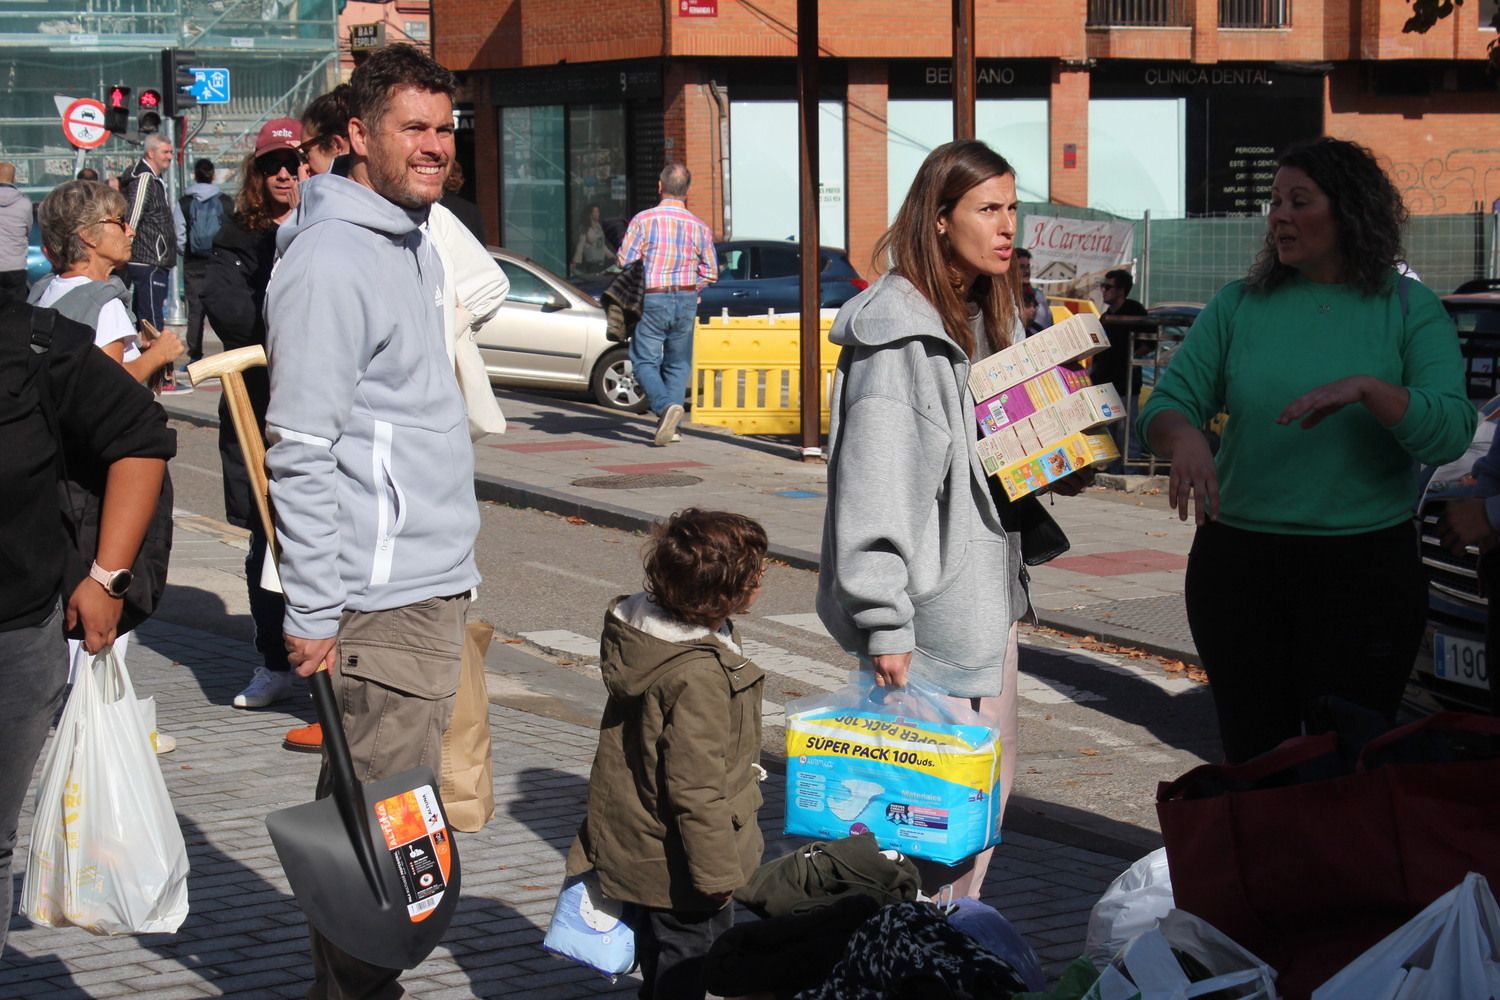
(148, 293)
(661, 349)
(34, 665)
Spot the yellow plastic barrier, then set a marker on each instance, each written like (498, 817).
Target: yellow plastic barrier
(747, 374)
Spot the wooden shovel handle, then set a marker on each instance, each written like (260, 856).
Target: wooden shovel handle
(229, 369)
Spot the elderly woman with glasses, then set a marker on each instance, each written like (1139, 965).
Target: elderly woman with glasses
(234, 297)
(85, 235)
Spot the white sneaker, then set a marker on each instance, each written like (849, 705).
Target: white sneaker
(667, 426)
(267, 687)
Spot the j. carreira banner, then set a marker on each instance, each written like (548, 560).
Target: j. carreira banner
(1076, 246)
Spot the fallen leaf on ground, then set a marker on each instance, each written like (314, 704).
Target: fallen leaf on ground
(566, 663)
(1197, 674)
(1154, 491)
(1088, 751)
(1173, 666)
(1047, 717)
(512, 642)
(575, 519)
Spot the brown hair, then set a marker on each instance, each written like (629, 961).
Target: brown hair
(913, 249)
(702, 565)
(252, 205)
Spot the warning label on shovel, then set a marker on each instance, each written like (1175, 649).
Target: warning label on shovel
(419, 844)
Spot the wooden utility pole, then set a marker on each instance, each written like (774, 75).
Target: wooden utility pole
(808, 201)
(963, 69)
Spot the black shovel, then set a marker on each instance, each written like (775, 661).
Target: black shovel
(374, 867)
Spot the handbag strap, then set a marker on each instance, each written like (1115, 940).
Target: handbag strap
(1298, 750)
(1448, 722)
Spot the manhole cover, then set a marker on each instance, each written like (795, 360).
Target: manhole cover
(642, 482)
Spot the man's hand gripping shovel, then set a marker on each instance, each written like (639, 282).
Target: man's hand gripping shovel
(374, 867)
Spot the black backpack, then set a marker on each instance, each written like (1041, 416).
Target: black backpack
(80, 506)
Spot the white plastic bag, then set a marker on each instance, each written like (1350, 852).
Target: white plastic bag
(905, 764)
(1451, 949)
(1147, 969)
(106, 852)
(1131, 905)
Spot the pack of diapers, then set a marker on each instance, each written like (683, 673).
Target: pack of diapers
(591, 929)
(897, 763)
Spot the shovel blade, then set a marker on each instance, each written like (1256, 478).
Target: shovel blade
(417, 863)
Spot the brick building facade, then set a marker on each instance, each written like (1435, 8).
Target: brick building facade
(1167, 106)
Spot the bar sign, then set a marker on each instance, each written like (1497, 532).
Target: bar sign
(697, 8)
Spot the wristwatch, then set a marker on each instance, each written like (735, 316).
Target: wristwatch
(115, 582)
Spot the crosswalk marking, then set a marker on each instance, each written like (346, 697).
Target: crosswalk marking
(806, 622)
(1050, 692)
(823, 676)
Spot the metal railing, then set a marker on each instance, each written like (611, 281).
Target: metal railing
(1255, 13)
(1137, 14)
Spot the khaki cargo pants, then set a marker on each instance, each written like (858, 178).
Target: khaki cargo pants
(394, 684)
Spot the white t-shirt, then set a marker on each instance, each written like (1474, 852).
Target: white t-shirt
(114, 322)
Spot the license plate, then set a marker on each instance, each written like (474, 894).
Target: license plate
(1460, 661)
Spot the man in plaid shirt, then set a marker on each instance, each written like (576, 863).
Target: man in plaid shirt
(677, 252)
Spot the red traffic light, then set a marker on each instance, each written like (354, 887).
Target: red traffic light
(150, 99)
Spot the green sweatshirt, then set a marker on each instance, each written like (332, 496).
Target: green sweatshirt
(1253, 353)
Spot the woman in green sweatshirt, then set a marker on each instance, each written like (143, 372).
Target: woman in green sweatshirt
(1339, 377)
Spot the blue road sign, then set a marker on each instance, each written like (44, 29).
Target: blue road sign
(211, 86)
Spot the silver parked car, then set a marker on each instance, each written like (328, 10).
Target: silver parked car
(550, 335)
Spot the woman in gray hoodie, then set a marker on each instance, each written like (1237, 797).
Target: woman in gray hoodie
(919, 576)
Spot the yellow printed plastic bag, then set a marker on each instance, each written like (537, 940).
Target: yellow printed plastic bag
(106, 852)
(901, 763)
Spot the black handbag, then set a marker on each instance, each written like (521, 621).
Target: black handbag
(1042, 538)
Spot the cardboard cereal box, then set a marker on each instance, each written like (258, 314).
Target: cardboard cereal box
(1025, 398)
(1073, 339)
(1062, 458)
(1091, 407)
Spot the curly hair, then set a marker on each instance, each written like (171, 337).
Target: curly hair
(377, 79)
(252, 206)
(1367, 211)
(70, 207)
(915, 251)
(703, 565)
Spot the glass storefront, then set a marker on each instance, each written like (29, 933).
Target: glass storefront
(598, 186)
(533, 174)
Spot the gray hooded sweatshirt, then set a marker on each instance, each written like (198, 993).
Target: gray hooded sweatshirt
(372, 472)
(914, 556)
(15, 227)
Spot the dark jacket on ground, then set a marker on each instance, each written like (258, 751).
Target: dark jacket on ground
(103, 415)
(150, 213)
(234, 299)
(675, 783)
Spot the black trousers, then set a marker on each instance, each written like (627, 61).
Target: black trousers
(193, 271)
(1281, 620)
(672, 945)
(1489, 579)
(13, 286)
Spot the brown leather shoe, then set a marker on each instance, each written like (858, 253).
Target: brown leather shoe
(306, 739)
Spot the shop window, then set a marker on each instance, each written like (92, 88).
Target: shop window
(598, 185)
(1015, 128)
(763, 171)
(533, 178)
(1137, 157)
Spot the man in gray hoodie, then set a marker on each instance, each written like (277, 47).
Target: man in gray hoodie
(15, 233)
(372, 472)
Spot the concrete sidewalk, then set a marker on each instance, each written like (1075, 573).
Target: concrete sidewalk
(245, 935)
(1122, 580)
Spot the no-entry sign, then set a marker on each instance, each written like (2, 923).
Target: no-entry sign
(83, 123)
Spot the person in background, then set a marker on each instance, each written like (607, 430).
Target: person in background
(678, 250)
(461, 208)
(675, 783)
(97, 411)
(234, 299)
(1305, 577)
(1116, 293)
(154, 251)
(1043, 307)
(325, 131)
(1030, 310)
(199, 215)
(85, 235)
(920, 576)
(15, 236)
(87, 174)
(593, 253)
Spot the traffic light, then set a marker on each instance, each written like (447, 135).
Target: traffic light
(148, 113)
(177, 81)
(117, 110)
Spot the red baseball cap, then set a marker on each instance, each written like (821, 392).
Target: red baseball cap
(278, 133)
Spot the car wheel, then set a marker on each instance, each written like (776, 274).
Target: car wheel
(613, 383)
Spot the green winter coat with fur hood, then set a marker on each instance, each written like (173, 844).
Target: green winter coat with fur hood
(676, 780)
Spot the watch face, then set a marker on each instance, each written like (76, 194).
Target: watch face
(120, 581)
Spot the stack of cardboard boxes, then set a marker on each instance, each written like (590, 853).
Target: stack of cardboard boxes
(1041, 420)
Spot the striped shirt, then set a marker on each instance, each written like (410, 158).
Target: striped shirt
(677, 246)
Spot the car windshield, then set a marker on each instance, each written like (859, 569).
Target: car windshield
(524, 285)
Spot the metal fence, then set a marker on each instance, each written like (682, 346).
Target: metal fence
(1188, 260)
(1254, 13)
(1137, 13)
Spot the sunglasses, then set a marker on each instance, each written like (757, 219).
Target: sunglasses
(1108, 287)
(274, 163)
(112, 220)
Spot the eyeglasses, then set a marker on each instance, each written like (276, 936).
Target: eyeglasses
(112, 220)
(1108, 287)
(274, 163)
